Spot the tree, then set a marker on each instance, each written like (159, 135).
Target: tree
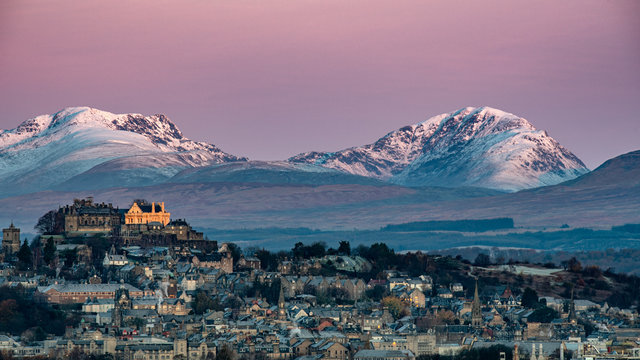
(376, 293)
(445, 317)
(344, 248)
(317, 249)
(49, 251)
(482, 260)
(24, 256)
(235, 251)
(49, 223)
(543, 315)
(268, 260)
(396, 307)
(574, 265)
(529, 298)
(302, 251)
(203, 303)
(225, 353)
(70, 257)
(379, 253)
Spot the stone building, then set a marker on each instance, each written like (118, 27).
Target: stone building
(182, 230)
(10, 240)
(142, 212)
(85, 216)
(79, 293)
(216, 260)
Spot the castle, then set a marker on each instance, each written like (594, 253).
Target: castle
(142, 224)
(85, 216)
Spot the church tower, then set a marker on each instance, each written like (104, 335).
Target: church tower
(476, 312)
(122, 303)
(10, 240)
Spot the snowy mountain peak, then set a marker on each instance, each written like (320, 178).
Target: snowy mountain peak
(159, 129)
(91, 143)
(473, 146)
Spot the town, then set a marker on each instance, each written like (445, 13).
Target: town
(101, 282)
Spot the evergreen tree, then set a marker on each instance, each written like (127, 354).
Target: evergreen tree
(49, 251)
(530, 298)
(24, 256)
(344, 248)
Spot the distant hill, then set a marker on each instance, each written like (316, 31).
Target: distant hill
(236, 205)
(621, 171)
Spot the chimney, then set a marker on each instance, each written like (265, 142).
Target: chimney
(153, 207)
(162, 206)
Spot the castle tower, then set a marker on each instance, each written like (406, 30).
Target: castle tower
(476, 312)
(11, 240)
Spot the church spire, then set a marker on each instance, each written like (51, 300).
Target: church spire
(281, 306)
(572, 309)
(476, 312)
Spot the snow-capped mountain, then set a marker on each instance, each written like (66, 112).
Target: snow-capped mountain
(101, 148)
(481, 147)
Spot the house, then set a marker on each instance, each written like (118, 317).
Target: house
(97, 305)
(393, 282)
(301, 347)
(417, 298)
(250, 262)
(114, 260)
(173, 307)
(445, 293)
(182, 230)
(216, 260)
(330, 350)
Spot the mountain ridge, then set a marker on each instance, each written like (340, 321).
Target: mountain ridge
(75, 140)
(87, 148)
(415, 155)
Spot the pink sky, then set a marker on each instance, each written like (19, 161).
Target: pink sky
(269, 79)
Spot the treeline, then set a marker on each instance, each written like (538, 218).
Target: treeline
(453, 225)
(380, 255)
(629, 228)
(20, 315)
(617, 260)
